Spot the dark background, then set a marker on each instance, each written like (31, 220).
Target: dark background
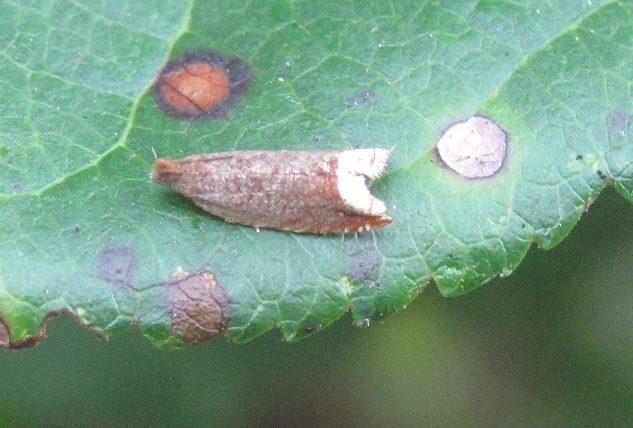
(550, 345)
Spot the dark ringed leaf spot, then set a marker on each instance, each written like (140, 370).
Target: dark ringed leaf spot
(201, 84)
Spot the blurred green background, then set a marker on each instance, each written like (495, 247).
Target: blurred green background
(550, 345)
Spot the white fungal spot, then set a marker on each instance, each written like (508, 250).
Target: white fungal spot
(475, 148)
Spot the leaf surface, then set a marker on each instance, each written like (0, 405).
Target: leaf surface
(84, 229)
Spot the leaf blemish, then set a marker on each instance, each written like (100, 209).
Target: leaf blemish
(364, 266)
(620, 122)
(197, 305)
(474, 148)
(201, 84)
(117, 265)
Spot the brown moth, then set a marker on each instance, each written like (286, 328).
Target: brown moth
(302, 192)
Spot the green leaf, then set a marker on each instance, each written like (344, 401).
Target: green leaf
(85, 230)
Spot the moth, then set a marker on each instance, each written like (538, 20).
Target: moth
(299, 191)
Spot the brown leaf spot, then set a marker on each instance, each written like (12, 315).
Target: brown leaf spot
(197, 306)
(117, 265)
(201, 84)
(196, 87)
